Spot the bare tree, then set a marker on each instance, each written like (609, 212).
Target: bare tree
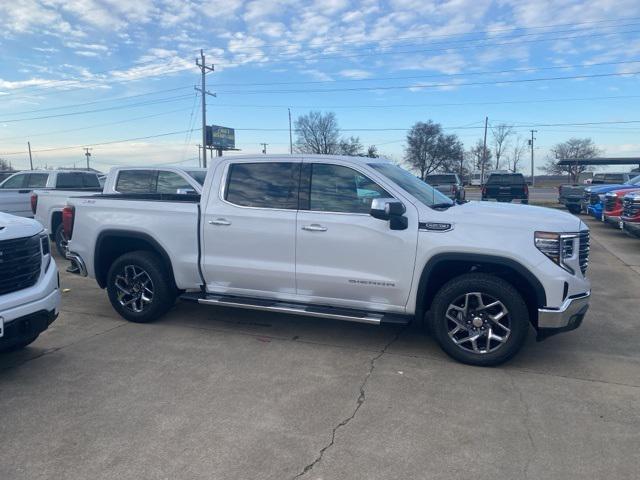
(429, 150)
(317, 133)
(350, 146)
(572, 149)
(475, 156)
(5, 164)
(517, 152)
(501, 135)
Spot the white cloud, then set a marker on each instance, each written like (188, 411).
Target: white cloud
(355, 73)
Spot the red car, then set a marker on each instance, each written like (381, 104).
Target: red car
(630, 219)
(613, 205)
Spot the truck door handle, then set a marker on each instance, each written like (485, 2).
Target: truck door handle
(220, 221)
(314, 227)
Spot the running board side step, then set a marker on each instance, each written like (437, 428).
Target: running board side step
(292, 308)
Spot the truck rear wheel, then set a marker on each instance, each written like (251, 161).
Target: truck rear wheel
(139, 287)
(575, 209)
(479, 319)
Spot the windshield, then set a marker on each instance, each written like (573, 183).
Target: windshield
(425, 193)
(198, 175)
(505, 179)
(635, 180)
(440, 179)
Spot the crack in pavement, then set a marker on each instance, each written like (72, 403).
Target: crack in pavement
(359, 402)
(526, 423)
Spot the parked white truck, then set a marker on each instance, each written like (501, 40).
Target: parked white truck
(47, 204)
(15, 191)
(29, 283)
(345, 238)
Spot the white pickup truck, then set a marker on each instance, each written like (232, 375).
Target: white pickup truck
(345, 238)
(47, 204)
(29, 284)
(15, 191)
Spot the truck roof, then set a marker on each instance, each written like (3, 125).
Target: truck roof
(306, 156)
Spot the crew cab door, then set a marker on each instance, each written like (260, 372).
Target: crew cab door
(248, 228)
(344, 256)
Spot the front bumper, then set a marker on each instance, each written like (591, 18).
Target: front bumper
(25, 328)
(596, 211)
(632, 228)
(612, 220)
(567, 317)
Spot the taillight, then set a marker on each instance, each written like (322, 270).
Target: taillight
(526, 189)
(484, 190)
(34, 203)
(68, 214)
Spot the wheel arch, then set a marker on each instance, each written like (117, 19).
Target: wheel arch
(445, 266)
(111, 244)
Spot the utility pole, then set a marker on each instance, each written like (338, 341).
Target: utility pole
(30, 158)
(533, 177)
(264, 148)
(290, 137)
(87, 154)
(203, 90)
(484, 150)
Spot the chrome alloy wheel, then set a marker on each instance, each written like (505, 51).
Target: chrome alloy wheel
(478, 323)
(135, 288)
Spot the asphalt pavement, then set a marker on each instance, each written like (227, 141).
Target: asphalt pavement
(213, 393)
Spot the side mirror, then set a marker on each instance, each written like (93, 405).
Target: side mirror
(186, 191)
(390, 209)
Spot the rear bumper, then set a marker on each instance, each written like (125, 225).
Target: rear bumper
(78, 266)
(567, 317)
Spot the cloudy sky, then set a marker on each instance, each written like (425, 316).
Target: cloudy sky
(119, 75)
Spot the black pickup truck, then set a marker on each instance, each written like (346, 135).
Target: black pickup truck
(506, 187)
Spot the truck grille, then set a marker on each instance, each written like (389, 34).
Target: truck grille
(594, 199)
(584, 251)
(20, 261)
(631, 207)
(611, 203)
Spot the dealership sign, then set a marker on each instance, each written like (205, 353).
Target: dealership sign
(221, 137)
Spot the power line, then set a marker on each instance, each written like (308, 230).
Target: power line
(296, 57)
(113, 99)
(132, 119)
(431, 85)
(111, 142)
(119, 107)
(436, 75)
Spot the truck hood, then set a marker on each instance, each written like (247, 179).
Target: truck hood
(498, 216)
(610, 188)
(16, 227)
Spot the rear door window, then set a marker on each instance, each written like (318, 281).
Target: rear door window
(70, 180)
(263, 185)
(440, 179)
(37, 180)
(90, 180)
(136, 181)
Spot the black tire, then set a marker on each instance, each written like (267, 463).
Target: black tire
(575, 209)
(490, 287)
(60, 240)
(123, 273)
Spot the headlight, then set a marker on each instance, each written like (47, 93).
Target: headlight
(601, 196)
(558, 247)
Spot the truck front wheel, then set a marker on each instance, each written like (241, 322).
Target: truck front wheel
(479, 319)
(139, 288)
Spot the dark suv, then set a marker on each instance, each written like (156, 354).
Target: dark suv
(506, 187)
